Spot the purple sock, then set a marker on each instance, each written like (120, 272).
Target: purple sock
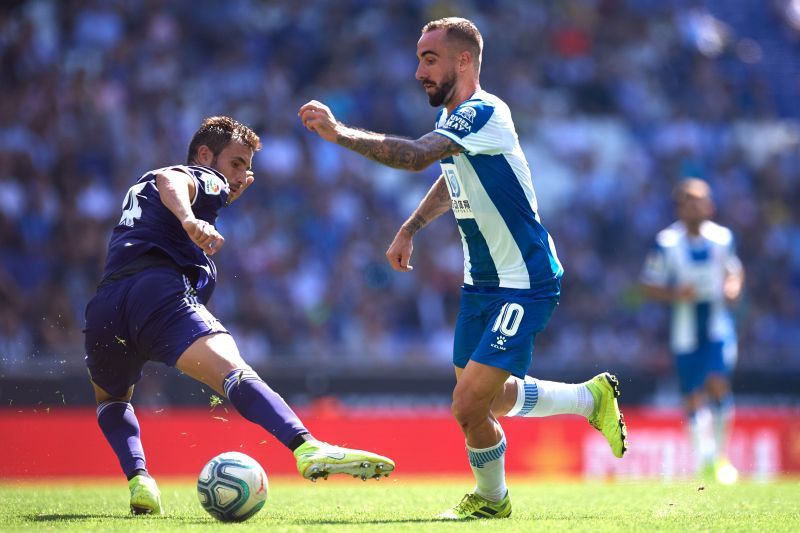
(119, 425)
(259, 404)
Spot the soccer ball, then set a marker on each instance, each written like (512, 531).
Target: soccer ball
(232, 487)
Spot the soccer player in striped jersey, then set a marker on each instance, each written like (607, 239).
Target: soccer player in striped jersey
(150, 306)
(694, 267)
(511, 270)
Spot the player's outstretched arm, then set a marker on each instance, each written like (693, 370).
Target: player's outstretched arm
(396, 152)
(176, 190)
(436, 202)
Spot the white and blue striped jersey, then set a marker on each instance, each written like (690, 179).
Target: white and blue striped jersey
(702, 262)
(505, 244)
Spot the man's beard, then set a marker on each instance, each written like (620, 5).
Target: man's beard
(443, 91)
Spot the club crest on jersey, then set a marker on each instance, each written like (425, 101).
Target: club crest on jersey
(211, 184)
(462, 119)
(452, 183)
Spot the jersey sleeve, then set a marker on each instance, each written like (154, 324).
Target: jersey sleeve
(733, 265)
(479, 128)
(183, 169)
(212, 190)
(656, 270)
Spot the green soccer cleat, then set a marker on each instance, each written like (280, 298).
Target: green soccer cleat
(474, 506)
(316, 459)
(606, 417)
(145, 496)
(707, 471)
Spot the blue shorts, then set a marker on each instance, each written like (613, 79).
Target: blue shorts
(694, 368)
(498, 328)
(153, 315)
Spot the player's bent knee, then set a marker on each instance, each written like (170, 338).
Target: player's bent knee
(718, 390)
(467, 411)
(211, 359)
(101, 395)
(717, 382)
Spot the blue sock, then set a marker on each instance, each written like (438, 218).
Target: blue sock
(260, 404)
(121, 429)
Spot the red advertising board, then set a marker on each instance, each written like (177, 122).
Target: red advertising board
(178, 441)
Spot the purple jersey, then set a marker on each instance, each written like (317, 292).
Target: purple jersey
(147, 224)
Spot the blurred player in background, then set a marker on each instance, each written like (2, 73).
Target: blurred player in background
(511, 271)
(150, 306)
(694, 267)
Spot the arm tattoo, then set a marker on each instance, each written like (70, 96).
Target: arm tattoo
(442, 192)
(414, 224)
(436, 202)
(397, 152)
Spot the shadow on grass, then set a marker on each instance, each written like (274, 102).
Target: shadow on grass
(556, 517)
(58, 517)
(355, 521)
(61, 517)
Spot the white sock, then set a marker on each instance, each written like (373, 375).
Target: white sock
(489, 467)
(537, 398)
(699, 435)
(721, 418)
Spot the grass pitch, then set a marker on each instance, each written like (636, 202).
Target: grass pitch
(410, 504)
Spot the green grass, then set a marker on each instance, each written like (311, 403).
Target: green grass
(409, 504)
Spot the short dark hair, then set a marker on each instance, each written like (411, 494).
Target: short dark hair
(463, 30)
(219, 132)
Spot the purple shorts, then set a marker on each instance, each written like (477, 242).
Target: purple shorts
(153, 315)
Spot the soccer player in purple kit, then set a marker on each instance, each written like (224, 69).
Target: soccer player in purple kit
(150, 306)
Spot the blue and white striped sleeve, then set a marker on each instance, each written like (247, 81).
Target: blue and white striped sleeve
(656, 267)
(477, 126)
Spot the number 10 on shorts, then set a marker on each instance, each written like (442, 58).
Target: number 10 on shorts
(508, 319)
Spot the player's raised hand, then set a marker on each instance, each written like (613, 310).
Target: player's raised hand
(317, 117)
(204, 235)
(236, 191)
(399, 252)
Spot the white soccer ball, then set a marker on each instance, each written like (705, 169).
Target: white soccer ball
(727, 474)
(232, 487)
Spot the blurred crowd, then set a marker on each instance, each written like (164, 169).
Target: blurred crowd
(614, 102)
